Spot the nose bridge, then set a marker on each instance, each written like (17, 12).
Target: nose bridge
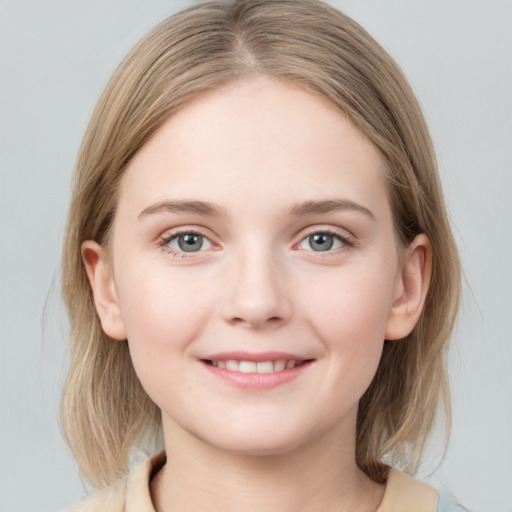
(258, 293)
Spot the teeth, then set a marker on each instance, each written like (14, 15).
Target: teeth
(264, 367)
(232, 365)
(279, 365)
(247, 367)
(260, 367)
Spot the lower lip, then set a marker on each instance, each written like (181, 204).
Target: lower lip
(257, 380)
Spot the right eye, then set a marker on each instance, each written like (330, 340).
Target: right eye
(187, 242)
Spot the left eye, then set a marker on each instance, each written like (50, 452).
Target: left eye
(189, 242)
(319, 242)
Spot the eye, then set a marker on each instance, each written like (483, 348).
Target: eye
(188, 242)
(322, 241)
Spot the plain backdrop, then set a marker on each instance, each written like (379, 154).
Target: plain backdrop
(55, 58)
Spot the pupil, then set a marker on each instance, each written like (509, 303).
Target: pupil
(190, 242)
(321, 242)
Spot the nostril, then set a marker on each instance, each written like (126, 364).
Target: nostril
(255, 322)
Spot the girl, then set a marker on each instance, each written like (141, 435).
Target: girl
(258, 261)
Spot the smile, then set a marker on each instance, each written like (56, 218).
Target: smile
(251, 371)
(278, 365)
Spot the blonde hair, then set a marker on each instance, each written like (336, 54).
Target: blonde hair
(105, 411)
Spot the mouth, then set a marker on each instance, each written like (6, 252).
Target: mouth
(256, 371)
(250, 366)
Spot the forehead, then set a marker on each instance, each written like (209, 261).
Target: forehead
(251, 139)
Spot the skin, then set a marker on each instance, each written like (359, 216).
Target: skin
(258, 284)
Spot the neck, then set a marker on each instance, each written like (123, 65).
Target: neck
(314, 476)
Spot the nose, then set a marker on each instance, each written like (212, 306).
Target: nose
(257, 294)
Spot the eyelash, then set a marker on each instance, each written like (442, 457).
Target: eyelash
(345, 240)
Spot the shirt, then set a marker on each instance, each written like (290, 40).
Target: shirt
(132, 494)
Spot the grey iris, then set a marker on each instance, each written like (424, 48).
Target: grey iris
(190, 242)
(321, 241)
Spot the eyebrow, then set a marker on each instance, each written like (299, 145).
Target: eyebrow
(198, 207)
(213, 210)
(330, 205)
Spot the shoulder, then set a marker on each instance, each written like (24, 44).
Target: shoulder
(407, 494)
(111, 498)
(130, 493)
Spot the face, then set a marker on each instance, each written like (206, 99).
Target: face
(253, 268)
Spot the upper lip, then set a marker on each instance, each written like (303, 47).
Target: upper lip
(254, 356)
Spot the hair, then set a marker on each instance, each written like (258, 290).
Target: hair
(105, 411)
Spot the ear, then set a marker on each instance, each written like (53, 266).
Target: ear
(101, 279)
(411, 290)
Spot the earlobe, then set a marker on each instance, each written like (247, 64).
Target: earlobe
(413, 284)
(103, 288)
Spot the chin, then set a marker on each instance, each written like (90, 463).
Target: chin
(257, 448)
(265, 440)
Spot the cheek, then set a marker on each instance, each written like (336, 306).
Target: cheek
(157, 299)
(353, 301)
(349, 313)
(163, 315)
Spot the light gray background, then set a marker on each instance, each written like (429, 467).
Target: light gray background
(55, 58)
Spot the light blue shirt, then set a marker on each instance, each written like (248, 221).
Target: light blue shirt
(446, 504)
